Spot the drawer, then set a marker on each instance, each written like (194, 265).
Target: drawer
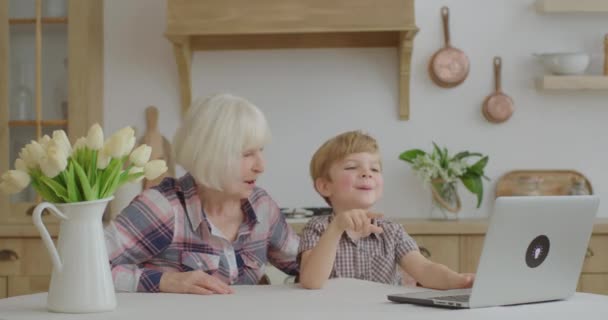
(593, 283)
(21, 285)
(440, 249)
(470, 249)
(3, 288)
(23, 257)
(596, 259)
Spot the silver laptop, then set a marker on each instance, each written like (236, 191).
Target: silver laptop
(533, 251)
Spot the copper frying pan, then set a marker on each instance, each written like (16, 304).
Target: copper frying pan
(449, 66)
(497, 107)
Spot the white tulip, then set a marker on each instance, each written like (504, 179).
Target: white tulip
(141, 155)
(44, 141)
(54, 162)
(155, 169)
(14, 181)
(128, 146)
(31, 154)
(103, 160)
(114, 146)
(135, 170)
(20, 165)
(80, 143)
(95, 137)
(61, 139)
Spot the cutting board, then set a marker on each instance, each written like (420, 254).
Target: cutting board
(161, 147)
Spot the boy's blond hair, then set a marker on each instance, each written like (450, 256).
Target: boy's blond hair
(336, 149)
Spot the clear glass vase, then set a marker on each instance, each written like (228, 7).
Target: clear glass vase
(22, 100)
(445, 202)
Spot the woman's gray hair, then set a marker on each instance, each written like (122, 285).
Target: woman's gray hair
(213, 135)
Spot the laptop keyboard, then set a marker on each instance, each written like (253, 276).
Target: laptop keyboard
(458, 298)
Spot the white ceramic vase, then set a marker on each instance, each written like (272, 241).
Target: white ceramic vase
(81, 281)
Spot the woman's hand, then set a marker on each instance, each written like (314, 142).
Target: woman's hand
(195, 282)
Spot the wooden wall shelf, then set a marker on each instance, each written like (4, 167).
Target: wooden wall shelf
(194, 25)
(34, 123)
(563, 6)
(58, 20)
(573, 83)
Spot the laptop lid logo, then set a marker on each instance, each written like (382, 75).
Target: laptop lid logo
(537, 251)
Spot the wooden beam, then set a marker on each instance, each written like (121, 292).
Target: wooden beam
(85, 65)
(406, 46)
(299, 40)
(183, 58)
(4, 99)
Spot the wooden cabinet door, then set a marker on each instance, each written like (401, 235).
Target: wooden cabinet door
(440, 249)
(470, 250)
(25, 256)
(21, 285)
(596, 259)
(3, 289)
(593, 283)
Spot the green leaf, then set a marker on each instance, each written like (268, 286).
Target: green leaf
(479, 166)
(73, 193)
(474, 184)
(410, 155)
(438, 151)
(115, 179)
(109, 182)
(93, 168)
(466, 154)
(96, 189)
(57, 188)
(45, 192)
(84, 183)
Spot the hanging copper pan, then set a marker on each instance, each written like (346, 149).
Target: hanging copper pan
(449, 66)
(497, 107)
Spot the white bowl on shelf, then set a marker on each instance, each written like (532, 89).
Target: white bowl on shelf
(565, 63)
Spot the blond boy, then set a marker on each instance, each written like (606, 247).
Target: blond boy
(354, 242)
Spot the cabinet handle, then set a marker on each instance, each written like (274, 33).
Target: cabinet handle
(8, 255)
(425, 252)
(589, 253)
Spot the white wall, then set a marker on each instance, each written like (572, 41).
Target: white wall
(311, 95)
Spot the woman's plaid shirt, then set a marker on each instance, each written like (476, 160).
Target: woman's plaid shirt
(164, 229)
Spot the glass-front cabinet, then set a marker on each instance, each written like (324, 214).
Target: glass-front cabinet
(51, 77)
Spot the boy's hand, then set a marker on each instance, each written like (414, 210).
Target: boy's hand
(357, 220)
(464, 280)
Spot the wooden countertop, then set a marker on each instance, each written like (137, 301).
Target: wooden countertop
(448, 227)
(412, 226)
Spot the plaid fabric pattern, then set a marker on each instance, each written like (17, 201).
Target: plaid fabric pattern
(164, 229)
(373, 258)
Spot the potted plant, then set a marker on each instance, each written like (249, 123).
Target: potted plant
(442, 171)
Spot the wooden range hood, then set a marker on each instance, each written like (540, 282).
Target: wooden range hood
(194, 25)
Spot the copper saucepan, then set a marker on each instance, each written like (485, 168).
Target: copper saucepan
(449, 66)
(497, 107)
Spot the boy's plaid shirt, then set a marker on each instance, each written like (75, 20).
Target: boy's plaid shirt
(165, 230)
(373, 258)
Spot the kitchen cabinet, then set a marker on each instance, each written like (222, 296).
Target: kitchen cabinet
(51, 77)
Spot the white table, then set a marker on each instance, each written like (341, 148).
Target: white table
(341, 299)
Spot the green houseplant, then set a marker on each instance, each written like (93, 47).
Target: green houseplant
(442, 171)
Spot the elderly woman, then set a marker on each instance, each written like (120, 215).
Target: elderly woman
(213, 227)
